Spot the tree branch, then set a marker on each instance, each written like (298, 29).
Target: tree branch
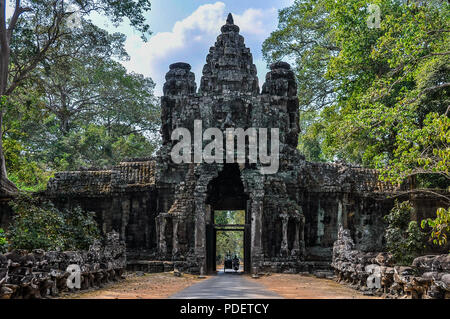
(17, 12)
(3, 32)
(423, 191)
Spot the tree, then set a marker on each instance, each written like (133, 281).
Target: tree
(79, 108)
(104, 114)
(403, 237)
(3, 242)
(47, 19)
(229, 241)
(304, 37)
(101, 111)
(388, 104)
(40, 225)
(71, 77)
(23, 121)
(440, 226)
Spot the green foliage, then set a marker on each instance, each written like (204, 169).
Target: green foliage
(422, 150)
(93, 146)
(229, 217)
(79, 108)
(404, 238)
(3, 242)
(26, 174)
(440, 226)
(229, 241)
(304, 38)
(62, 78)
(21, 121)
(309, 143)
(41, 225)
(379, 96)
(109, 113)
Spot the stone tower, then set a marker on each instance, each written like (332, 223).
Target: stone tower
(229, 97)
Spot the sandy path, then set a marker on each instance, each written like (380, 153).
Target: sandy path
(165, 285)
(148, 286)
(293, 286)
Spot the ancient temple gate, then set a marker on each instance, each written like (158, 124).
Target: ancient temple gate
(164, 211)
(229, 97)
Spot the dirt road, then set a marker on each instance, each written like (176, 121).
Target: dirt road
(166, 285)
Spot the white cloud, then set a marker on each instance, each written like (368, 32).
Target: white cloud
(207, 18)
(190, 39)
(255, 21)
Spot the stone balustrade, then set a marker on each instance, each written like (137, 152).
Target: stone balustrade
(373, 273)
(40, 274)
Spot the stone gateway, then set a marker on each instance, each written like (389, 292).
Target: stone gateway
(165, 211)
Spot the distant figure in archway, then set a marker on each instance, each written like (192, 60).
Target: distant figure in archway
(236, 263)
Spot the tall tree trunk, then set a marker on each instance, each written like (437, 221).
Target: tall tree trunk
(6, 186)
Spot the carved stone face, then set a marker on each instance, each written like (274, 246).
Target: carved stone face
(232, 114)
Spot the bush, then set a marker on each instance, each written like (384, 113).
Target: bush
(3, 242)
(404, 240)
(41, 225)
(440, 226)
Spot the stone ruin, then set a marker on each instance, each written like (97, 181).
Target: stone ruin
(373, 273)
(39, 274)
(165, 211)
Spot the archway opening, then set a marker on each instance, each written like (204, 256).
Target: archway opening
(229, 237)
(228, 220)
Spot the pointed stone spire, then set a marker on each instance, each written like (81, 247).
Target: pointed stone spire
(230, 26)
(229, 65)
(230, 19)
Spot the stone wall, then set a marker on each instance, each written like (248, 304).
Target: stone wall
(124, 177)
(374, 273)
(39, 274)
(124, 199)
(131, 214)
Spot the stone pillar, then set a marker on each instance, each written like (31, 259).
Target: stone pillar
(256, 240)
(200, 231)
(257, 206)
(284, 250)
(162, 235)
(126, 209)
(175, 246)
(206, 172)
(346, 205)
(200, 221)
(296, 246)
(302, 235)
(254, 185)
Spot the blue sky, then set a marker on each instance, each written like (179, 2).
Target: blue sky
(184, 30)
